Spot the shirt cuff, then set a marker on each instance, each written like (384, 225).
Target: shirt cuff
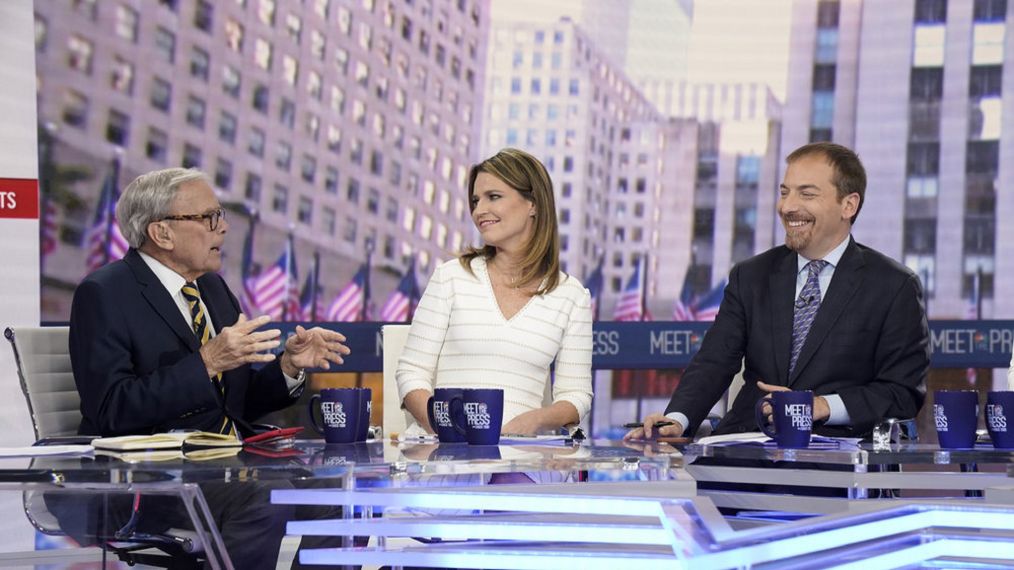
(839, 414)
(682, 419)
(295, 384)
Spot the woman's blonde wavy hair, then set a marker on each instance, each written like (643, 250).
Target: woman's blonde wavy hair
(524, 173)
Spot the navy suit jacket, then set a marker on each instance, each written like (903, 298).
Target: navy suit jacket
(136, 361)
(869, 342)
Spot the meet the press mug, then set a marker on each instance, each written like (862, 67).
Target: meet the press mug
(955, 413)
(446, 410)
(344, 412)
(792, 412)
(1000, 418)
(483, 415)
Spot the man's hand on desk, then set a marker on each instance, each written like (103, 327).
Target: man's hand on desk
(240, 344)
(821, 411)
(314, 348)
(649, 431)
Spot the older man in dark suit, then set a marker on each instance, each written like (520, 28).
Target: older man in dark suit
(158, 342)
(821, 313)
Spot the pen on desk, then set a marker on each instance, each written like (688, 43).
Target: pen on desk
(633, 425)
(413, 438)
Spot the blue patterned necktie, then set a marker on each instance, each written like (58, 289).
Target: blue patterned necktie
(806, 309)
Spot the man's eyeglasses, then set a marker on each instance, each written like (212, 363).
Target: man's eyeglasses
(213, 218)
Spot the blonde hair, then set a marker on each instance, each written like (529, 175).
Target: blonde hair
(524, 173)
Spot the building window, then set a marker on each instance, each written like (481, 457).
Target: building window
(231, 80)
(827, 45)
(266, 12)
(126, 23)
(822, 115)
(928, 50)
(392, 210)
(331, 180)
(827, 14)
(290, 70)
(990, 10)
(308, 168)
(156, 146)
(352, 191)
(161, 94)
(373, 201)
(165, 44)
(199, 64)
(262, 54)
(920, 236)
(328, 221)
(79, 54)
(927, 83)
(982, 157)
(196, 110)
(305, 212)
(823, 77)
(280, 199)
(227, 128)
(122, 76)
(287, 113)
(255, 144)
(930, 11)
(923, 159)
(41, 33)
(192, 156)
(234, 35)
(985, 81)
(261, 96)
(252, 188)
(75, 109)
(350, 229)
(204, 16)
(117, 128)
(223, 174)
(283, 155)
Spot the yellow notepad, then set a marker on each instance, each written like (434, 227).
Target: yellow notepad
(173, 440)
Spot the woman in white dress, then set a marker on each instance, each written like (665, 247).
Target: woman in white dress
(500, 315)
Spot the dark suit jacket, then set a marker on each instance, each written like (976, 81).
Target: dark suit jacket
(869, 342)
(136, 361)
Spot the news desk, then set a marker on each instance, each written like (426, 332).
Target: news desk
(616, 504)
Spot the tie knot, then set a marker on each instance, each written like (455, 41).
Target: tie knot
(816, 266)
(190, 292)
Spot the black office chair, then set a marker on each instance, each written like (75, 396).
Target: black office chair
(47, 381)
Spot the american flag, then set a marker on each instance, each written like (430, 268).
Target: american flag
(351, 302)
(706, 308)
(630, 306)
(48, 228)
(401, 303)
(595, 282)
(684, 308)
(247, 269)
(103, 241)
(311, 292)
(275, 291)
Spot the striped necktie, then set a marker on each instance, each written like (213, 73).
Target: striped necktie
(199, 321)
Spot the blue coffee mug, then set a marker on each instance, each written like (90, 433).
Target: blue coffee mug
(955, 413)
(792, 412)
(1000, 418)
(345, 414)
(483, 415)
(446, 411)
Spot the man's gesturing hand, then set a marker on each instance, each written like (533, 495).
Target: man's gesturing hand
(239, 344)
(649, 431)
(314, 348)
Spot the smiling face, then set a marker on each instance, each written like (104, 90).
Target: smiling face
(504, 217)
(814, 217)
(192, 250)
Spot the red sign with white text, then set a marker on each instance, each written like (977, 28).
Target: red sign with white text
(19, 198)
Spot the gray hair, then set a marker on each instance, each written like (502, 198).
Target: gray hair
(148, 198)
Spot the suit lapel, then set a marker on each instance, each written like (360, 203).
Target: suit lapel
(782, 285)
(159, 299)
(847, 277)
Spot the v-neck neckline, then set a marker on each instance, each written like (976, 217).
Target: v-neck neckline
(496, 302)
